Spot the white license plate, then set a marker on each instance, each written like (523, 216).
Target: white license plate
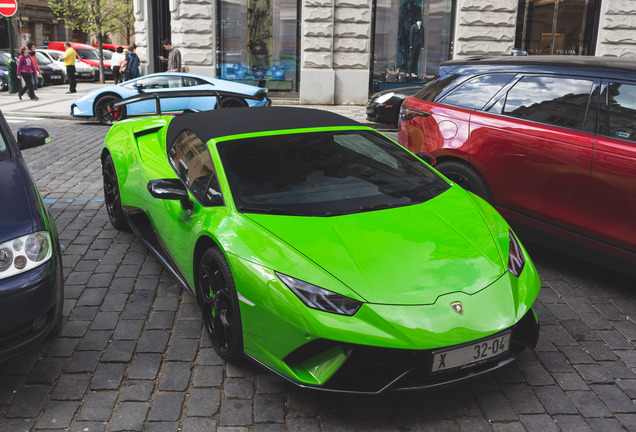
(56, 76)
(471, 353)
(85, 74)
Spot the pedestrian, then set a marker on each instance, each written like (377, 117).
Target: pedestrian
(31, 47)
(69, 58)
(132, 64)
(115, 64)
(174, 56)
(26, 70)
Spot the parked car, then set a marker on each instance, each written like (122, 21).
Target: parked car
(549, 140)
(31, 280)
(96, 103)
(4, 62)
(86, 54)
(321, 249)
(52, 71)
(384, 106)
(83, 72)
(4, 78)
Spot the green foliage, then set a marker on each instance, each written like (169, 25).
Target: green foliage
(91, 16)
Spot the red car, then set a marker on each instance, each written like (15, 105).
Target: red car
(550, 141)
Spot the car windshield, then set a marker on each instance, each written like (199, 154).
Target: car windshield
(87, 54)
(42, 58)
(325, 174)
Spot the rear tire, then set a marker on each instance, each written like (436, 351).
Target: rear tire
(467, 177)
(112, 196)
(232, 102)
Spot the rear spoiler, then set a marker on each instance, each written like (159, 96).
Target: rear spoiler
(219, 94)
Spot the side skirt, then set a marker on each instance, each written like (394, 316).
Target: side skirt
(141, 225)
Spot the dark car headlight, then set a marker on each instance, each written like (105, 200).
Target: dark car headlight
(24, 253)
(319, 298)
(516, 260)
(384, 98)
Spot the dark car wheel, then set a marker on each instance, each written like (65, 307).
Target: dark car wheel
(232, 102)
(104, 112)
(112, 198)
(219, 305)
(467, 177)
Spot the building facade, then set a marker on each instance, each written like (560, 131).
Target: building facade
(340, 51)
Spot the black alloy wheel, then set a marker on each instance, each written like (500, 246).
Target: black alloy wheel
(104, 111)
(112, 197)
(219, 305)
(467, 177)
(232, 102)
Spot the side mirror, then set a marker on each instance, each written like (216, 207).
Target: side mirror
(428, 158)
(170, 189)
(29, 137)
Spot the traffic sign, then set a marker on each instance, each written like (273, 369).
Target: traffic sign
(8, 8)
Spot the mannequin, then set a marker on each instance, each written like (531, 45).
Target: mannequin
(416, 42)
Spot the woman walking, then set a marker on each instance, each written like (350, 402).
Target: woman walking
(26, 69)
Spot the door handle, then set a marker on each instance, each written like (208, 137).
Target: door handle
(413, 113)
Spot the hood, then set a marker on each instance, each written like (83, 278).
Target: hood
(18, 201)
(409, 255)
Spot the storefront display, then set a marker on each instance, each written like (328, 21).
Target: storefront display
(409, 45)
(258, 42)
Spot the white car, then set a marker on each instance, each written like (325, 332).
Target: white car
(83, 72)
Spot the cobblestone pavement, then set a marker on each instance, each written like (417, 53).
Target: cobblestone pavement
(132, 354)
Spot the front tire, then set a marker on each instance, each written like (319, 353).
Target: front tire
(467, 177)
(219, 305)
(103, 111)
(112, 196)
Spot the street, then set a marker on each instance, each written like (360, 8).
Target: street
(132, 354)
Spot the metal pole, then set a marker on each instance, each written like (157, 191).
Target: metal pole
(14, 82)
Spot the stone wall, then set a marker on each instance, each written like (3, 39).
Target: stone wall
(617, 29)
(335, 51)
(485, 28)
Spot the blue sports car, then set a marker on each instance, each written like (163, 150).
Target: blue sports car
(98, 102)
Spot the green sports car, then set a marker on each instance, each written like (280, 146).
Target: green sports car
(321, 249)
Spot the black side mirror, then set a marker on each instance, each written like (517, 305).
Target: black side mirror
(428, 158)
(29, 137)
(170, 189)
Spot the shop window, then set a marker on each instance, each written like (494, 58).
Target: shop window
(557, 27)
(405, 51)
(258, 42)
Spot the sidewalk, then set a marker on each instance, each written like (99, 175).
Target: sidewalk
(55, 103)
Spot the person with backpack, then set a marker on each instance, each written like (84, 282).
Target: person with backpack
(131, 65)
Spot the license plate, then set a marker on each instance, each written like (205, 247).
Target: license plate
(56, 76)
(85, 74)
(469, 354)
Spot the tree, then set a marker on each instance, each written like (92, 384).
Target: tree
(93, 17)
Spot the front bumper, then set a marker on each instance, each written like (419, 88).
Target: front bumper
(30, 307)
(373, 370)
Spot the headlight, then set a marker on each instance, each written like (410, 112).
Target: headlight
(385, 97)
(319, 298)
(24, 253)
(516, 261)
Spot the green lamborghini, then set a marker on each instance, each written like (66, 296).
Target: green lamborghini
(323, 250)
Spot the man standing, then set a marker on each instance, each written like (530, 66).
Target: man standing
(69, 57)
(38, 72)
(174, 56)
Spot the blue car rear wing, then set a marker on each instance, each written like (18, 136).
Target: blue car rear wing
(157, 96)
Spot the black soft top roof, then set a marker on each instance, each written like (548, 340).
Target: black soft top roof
(208, 125)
